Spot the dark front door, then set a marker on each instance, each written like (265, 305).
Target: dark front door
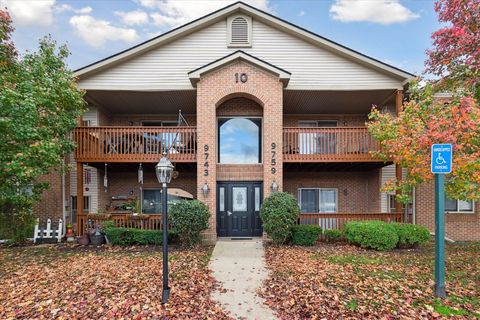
(238, 209)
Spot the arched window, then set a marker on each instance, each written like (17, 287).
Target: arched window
(239, 140)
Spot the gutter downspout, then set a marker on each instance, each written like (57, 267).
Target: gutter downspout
(64, 213)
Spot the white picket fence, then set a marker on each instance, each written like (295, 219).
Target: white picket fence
(48, 233)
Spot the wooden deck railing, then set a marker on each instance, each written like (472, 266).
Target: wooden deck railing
(135, 144)
(352, 144)
(329, 221)
(153, 222)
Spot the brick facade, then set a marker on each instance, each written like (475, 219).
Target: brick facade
(50, 207)
(358, 192)
(215, 90)
(458, 226)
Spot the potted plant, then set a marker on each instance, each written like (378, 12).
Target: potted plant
(70, 234)
(137, 211)
(99, 216)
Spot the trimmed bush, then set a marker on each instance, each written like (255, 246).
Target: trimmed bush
(375, 235)
(333, 235)
(189, 218)
(131, 236)
(305, 235)
(411, 235)
(279, 213)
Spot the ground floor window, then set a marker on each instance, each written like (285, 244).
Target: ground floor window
(461, 206)
(318, 200)
(152, 200)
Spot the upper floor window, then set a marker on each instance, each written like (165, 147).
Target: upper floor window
(239, 140)
(239, 31)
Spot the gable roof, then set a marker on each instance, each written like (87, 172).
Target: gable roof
(257, 14)
(283, 75)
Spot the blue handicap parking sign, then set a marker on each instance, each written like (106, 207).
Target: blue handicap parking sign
(441, 161)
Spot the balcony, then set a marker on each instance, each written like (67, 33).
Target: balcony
(348, 144)
(134, 144)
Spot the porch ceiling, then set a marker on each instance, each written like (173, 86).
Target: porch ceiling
(335, 102)
(294, 101)
(144, 102)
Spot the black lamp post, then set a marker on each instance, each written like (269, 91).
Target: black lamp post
(164, 171)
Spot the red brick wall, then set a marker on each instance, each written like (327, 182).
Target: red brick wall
(51, 204)
(219, 89)
(358, 192)
(458, 226)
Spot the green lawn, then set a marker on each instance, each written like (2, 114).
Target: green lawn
(65, 282)
(331, 280)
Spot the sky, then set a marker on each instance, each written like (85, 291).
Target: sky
(394, 31)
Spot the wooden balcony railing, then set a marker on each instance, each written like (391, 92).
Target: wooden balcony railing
(123, 220)
(135, 144)
(328, 221)
(352, 144)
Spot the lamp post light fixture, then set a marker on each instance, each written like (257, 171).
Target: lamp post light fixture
(164, 171)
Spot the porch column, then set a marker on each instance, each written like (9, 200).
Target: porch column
(79, 196)
(398, 168)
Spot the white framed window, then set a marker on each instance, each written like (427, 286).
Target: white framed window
(239, 31)
(459, 206)
(324, 200)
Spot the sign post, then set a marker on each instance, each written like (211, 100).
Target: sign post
(441, 163)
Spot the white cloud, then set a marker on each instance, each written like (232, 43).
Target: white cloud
(38, 12)
(171, 13)
(301, 13)
(96, 32)
(66, 7)
(377, 11)
(131, 18)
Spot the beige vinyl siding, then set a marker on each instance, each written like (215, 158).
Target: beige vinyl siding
(92, 116)
(387, 173)
(312, 67)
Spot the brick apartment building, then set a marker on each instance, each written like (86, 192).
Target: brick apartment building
(266, 105)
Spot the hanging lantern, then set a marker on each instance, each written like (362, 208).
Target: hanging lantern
(140, 174)
(105, 179)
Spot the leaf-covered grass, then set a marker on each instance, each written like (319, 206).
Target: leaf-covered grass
(73, 282)
(331, 281)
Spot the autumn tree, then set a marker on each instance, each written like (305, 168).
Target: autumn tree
(39, 106)
(427, 119)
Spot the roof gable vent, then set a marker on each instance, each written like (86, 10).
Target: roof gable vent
(239, 31)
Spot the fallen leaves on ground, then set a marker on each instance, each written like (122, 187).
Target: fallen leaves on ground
(341, 281)
(65, 282)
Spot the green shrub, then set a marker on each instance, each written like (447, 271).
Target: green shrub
(16, 224)
(375, 235)
(131, 236)
(411, 235)
(279, 213)
(333, 235)
(305, 235)
(189, 218)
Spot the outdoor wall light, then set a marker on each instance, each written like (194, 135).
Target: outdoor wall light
(274, 186)
(205, 189)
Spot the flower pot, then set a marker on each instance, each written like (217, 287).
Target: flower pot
(84, 240)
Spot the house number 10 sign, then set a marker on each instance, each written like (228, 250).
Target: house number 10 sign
(241, 77)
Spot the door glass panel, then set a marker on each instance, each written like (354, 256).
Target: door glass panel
(257, 198)
(222, 199)
(239, 199)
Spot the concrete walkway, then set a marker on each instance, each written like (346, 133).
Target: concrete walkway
(239, 266)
